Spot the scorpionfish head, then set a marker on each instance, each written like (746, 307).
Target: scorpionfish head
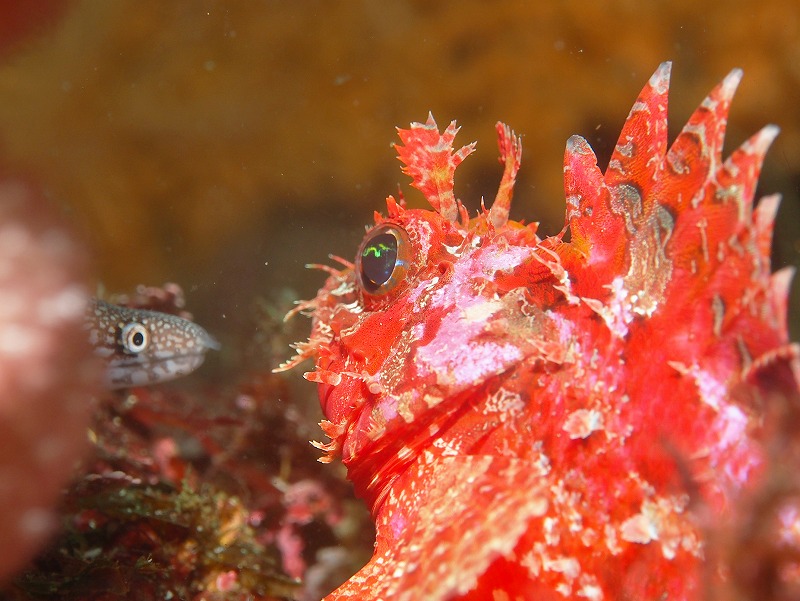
(457, 336)
(430, 312)
(421, 322)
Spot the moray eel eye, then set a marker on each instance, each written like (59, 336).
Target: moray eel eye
(382, 261)
(135, 338)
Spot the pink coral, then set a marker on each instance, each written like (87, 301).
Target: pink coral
(46, 374)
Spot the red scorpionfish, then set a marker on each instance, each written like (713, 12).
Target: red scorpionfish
(559, 418)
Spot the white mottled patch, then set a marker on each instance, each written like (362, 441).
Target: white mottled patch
(552, 534)
(730, 427)
(449, 448)
(568, 566)
(590, 589)
(539, 560)
(612, 540)
(531, 562)
(504, 403)
(626, 149)
(713, 392)
(662, 520)
(734, 425)
(505, 259)
(639, 529)
(456, 358)
(484, 359)
(582, 422)
(481, 312)
(345, 288)
(618, 312)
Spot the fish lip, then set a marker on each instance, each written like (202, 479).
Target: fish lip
(131, 370)
(324, 392)
(134, 360)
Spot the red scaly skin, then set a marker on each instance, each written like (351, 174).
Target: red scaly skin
(551, 419)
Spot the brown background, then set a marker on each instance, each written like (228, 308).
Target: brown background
(223, 145)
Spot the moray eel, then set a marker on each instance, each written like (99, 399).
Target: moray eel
(144, 347)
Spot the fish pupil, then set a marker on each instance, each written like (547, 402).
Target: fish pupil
(378, 260)
(135, 338)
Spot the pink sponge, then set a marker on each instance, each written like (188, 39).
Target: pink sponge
(47, 377)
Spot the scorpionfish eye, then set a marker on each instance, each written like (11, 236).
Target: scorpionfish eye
(383, 259)
(134, 337)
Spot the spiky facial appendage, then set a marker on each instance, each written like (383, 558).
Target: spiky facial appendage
(552, 419)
